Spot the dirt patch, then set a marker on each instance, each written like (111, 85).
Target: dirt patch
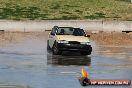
(101, 38)
(14, 37)
(112, 38)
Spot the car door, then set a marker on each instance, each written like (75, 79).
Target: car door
(52, 37)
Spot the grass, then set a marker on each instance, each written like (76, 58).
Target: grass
(65, 9)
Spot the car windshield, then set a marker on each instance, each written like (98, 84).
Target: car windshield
(70, 31)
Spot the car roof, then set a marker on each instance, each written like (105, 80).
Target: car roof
(65, 27)
(69, 27)
(77, 28)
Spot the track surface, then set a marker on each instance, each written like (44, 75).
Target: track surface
(29, 63)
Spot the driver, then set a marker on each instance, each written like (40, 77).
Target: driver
(62, 31)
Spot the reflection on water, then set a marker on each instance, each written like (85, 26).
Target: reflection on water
(68, 58)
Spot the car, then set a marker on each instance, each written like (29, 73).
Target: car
(68, 39)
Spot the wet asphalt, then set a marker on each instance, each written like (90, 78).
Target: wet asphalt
(29, 63)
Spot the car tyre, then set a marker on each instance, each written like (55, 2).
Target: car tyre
(87, 52)
(55, 49)
(48, 47)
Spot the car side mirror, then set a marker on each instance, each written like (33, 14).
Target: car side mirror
(87, 36)
(52, 33)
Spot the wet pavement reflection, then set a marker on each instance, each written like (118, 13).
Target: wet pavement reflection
(68, 58)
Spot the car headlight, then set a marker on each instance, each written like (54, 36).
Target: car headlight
(86, 43)
(62, 41)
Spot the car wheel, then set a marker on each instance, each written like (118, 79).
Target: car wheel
(55, 49)
(87, 52)
(48, 47)
(84, 53)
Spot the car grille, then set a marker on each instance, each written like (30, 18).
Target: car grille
(74, 42)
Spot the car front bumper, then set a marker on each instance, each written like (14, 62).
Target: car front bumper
(74, 47)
